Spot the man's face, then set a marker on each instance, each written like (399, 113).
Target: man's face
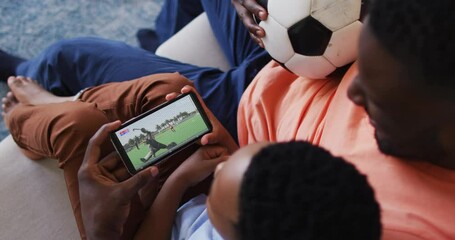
(223, 200)
(404, 116)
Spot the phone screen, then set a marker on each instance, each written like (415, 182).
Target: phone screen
(158, 133)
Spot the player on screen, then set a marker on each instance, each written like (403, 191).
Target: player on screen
(154, 145)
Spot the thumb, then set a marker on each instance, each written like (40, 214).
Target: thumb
(209, 138)
(136, 182)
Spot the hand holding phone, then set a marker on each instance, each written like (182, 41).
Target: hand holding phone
(160, 132)
(200, 164)
(219, 135)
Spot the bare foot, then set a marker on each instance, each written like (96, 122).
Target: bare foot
(9, 103)
(27, 91)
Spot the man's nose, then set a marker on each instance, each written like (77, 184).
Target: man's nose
(355, 94)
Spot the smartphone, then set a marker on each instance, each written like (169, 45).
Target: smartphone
(160, 132)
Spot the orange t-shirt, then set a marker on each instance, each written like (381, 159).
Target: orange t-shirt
(417, 199)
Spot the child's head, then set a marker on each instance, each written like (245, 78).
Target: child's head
(291, 191)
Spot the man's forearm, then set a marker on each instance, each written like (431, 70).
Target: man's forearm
(159, 220)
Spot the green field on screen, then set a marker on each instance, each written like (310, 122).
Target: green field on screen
(183, 131)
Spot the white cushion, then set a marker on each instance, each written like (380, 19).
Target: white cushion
(195, 44)
(34, 202)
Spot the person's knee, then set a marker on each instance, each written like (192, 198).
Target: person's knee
(57, 50)
(72, 129)
(165, 83)
(151, 90)
(81, 120)
(65, 50)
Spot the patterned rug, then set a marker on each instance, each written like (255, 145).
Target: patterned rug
(29, 26)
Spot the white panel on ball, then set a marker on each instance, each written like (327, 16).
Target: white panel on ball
(311, 67)
(342, 48)
(277, 42)
(335, 14)
(289, 12)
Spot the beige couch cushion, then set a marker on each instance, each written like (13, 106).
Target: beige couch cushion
(195, 47)
(34, 203)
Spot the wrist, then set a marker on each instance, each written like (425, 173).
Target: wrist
(178, 182)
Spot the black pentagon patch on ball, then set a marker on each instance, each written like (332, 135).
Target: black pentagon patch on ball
(309, 37)
(263, 3)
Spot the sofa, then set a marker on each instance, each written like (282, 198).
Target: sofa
(34, 203)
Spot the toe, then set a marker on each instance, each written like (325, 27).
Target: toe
(10, 96)
(14, 81)
(5, 107)
(6, 101)
(21, 79)
(11, 79)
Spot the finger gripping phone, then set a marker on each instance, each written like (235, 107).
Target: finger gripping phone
(160, 132)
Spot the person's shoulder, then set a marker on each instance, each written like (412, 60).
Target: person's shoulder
(273, 73)
(271, 79)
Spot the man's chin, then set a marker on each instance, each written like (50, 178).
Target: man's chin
(386, 146)
(390, 148)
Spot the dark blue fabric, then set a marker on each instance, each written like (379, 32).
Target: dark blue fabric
(71, 65)
(174, 15)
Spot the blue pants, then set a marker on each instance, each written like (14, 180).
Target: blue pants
(174, 15)
(71, 65)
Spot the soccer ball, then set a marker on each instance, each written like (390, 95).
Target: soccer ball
(312, 38)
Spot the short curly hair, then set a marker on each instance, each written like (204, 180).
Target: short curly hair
(296, 190)
(420, 34)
